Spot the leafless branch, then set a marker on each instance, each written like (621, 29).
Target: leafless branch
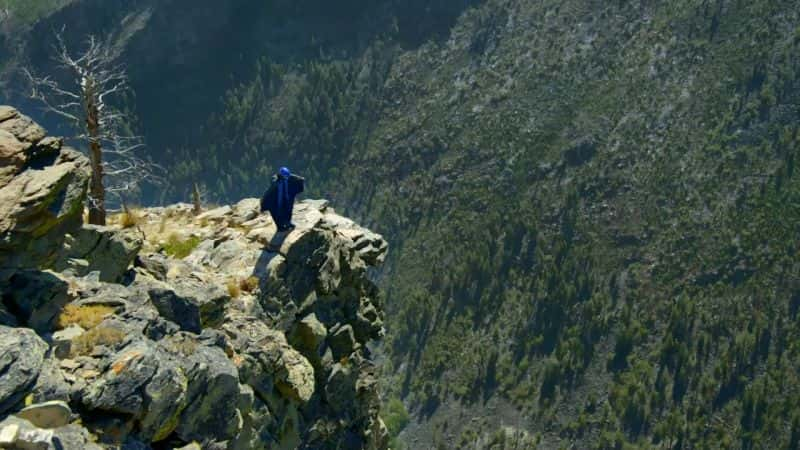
(89, 106)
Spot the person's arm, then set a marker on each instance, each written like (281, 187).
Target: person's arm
(299, 183)
(268, 199)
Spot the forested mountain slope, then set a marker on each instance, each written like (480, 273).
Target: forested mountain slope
(592, 207)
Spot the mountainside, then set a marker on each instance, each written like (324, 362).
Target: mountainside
(225, 334)
(592, 206)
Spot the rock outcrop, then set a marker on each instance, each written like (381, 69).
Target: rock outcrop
(42, 191)
(214, 330)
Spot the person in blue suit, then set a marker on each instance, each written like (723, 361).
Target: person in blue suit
(279, 198)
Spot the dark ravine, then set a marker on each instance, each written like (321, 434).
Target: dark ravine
(253, 339)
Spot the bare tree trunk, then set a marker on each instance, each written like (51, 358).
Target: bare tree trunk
(116, 169)
(196, 198)
(97, 193)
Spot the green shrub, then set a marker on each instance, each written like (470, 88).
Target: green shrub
(180, 248)
(395, 416)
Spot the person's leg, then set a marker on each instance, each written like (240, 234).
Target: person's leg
(276, 218)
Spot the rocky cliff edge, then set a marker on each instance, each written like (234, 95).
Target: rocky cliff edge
(173, 330)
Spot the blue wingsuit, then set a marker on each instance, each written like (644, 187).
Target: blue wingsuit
(279, 198)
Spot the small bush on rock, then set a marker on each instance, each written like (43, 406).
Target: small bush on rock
(85, 343)
(180, 248)
(85, 316)
(234, 289)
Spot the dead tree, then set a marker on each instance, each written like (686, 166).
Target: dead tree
(97, 82)
(196, 200)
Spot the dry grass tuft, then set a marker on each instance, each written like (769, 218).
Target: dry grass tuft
(249, 284)
(130, 218)
(85, 316)
(85, 343)
(234, 289)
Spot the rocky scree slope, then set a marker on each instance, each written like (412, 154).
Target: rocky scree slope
(254, 339)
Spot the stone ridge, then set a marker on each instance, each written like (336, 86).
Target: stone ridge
(181, 330)
(42, 188)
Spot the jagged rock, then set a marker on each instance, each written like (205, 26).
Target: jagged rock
(191, 307)
(165, 398)
(120, 390)
(216, 215)
(18, 433)
(232, 256)
(21, 434)
(342, 341)
(377, 435)
(267, 361)
(42, 190)
(51, 384)
(308, 335)
(368, 323)
(154, 264)
(61, 341)
(145, 383)
(340, 388)
(109, 252)
(35, 298)
(12, 156)
(178, 359)
(215, 405)
(21, 357)
(245, 210)
(21, 126)
(52, 414)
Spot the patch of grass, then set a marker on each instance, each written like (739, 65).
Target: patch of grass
(234, 289)
(85, 316)
(85, 343)
(180, 248)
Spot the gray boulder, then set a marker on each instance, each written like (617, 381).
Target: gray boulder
(191, 306)
(307, 335)
(18, 433)
(268, 361)
(342, 341)
(145, 383)
(109, 252)
(35, 298)
(21, 357)
(42, 190)
(340, 388)
(156, 265)
(216, 402)
(120, 390)
(52, 414)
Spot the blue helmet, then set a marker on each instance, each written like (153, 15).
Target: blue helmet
(284, 171)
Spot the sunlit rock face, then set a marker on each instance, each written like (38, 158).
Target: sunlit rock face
(169, 328)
